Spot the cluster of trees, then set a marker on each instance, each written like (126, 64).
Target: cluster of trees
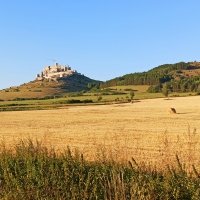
(191, 84)
(170, 74)
(157, 75)
(144, 78)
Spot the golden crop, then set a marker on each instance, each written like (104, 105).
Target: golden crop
(144, 130)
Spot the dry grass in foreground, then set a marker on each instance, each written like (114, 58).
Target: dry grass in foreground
(32, 171)
(144, 130)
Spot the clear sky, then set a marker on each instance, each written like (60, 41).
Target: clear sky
(100, 38)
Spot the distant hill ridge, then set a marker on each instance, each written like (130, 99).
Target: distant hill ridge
(179, 77)
(57, 80)
(63, 78)
(54, 80)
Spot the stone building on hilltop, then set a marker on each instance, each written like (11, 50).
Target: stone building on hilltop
(55, 72)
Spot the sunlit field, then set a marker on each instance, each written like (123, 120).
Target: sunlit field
(145, 130)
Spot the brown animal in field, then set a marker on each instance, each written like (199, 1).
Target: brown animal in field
(173, 110)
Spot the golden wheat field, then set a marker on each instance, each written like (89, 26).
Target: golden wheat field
(145, 130)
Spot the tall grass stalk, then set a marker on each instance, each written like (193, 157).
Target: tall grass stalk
(32, 171)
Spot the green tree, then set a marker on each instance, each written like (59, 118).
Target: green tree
(132, 94)
(99, 98)
(165, 90)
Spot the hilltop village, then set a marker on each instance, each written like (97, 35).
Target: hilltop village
(54, 72)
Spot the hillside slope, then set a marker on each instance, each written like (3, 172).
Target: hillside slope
(48, 88)
(179, 77)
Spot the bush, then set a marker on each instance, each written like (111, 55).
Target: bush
(87, 101)
(16, 90)
(165, 90)
(132, 94)
(75, 94)
(129, 89)
(175, 95)
(71, 101)
(99, 98)
(154, 88)
(117, 99)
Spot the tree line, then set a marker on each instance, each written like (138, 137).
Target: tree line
(171, 74)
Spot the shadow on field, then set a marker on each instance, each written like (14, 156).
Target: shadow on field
(168, 99)
(124, 105)
(135, 101)
(183, 113)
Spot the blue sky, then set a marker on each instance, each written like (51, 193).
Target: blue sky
(99, 38)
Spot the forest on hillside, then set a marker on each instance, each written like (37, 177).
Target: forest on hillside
(169, 74)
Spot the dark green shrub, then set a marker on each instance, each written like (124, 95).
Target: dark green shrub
(154, 88)
(87, 101)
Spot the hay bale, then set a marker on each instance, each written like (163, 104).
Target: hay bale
(173, 110)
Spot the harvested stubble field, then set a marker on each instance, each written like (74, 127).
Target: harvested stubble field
(144, 130)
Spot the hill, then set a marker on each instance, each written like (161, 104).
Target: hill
(58, 80)
(179, 77)
(52, 81)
